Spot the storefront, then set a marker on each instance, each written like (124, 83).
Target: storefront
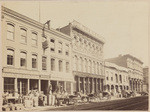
(88, 83)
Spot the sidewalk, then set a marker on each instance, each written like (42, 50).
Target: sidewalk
(43, 108)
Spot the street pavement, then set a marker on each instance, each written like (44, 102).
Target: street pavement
(135, 103)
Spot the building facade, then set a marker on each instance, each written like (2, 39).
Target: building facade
(71, 56)
(26, 64)
(87, 58)
(135, 70)
(116, 78)
(146, 79)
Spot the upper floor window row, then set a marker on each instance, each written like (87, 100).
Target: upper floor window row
(60, 47)
(23, 59)
(23, 34)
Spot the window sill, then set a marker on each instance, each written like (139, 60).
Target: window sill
(35, 69)
(10, 66)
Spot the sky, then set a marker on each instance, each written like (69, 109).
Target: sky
(123, 24)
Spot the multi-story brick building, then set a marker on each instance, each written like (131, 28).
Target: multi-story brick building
(26, 66)
(75, 61)
(134, 67)
(87, 57)
(116, 78)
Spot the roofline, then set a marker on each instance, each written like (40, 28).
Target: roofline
(124, 56)
(82, 28)
(128, 55)
(113, 65)
(32, 22)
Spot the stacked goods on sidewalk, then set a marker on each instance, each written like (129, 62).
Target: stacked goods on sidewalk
(12, 102)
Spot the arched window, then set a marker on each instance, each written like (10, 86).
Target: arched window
(10, 57)
(116, 78)
(52, 64)
(10, 31)
(60, 65)
(34, 61)
(120, 78)
(22, 59)
(34, 39)
(23, 34)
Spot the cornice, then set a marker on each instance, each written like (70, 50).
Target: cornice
(87, 31)
(32, 22)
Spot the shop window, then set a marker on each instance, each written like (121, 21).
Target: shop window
(52, 64)
(23, 59)
(60, 66)
(52, 45)
(34, 39)
(9, 85)
(44, 63)
(10, 31)
(10, 57)
(23, 35)
(67, 67)
(34, 61)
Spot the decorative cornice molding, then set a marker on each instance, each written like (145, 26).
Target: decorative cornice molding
(27, 20)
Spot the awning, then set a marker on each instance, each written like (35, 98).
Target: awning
(82, 74)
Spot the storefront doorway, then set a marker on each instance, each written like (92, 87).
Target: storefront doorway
(33, 84)
(44, 86)
(22, 86)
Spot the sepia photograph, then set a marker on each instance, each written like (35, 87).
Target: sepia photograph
(74, 55)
